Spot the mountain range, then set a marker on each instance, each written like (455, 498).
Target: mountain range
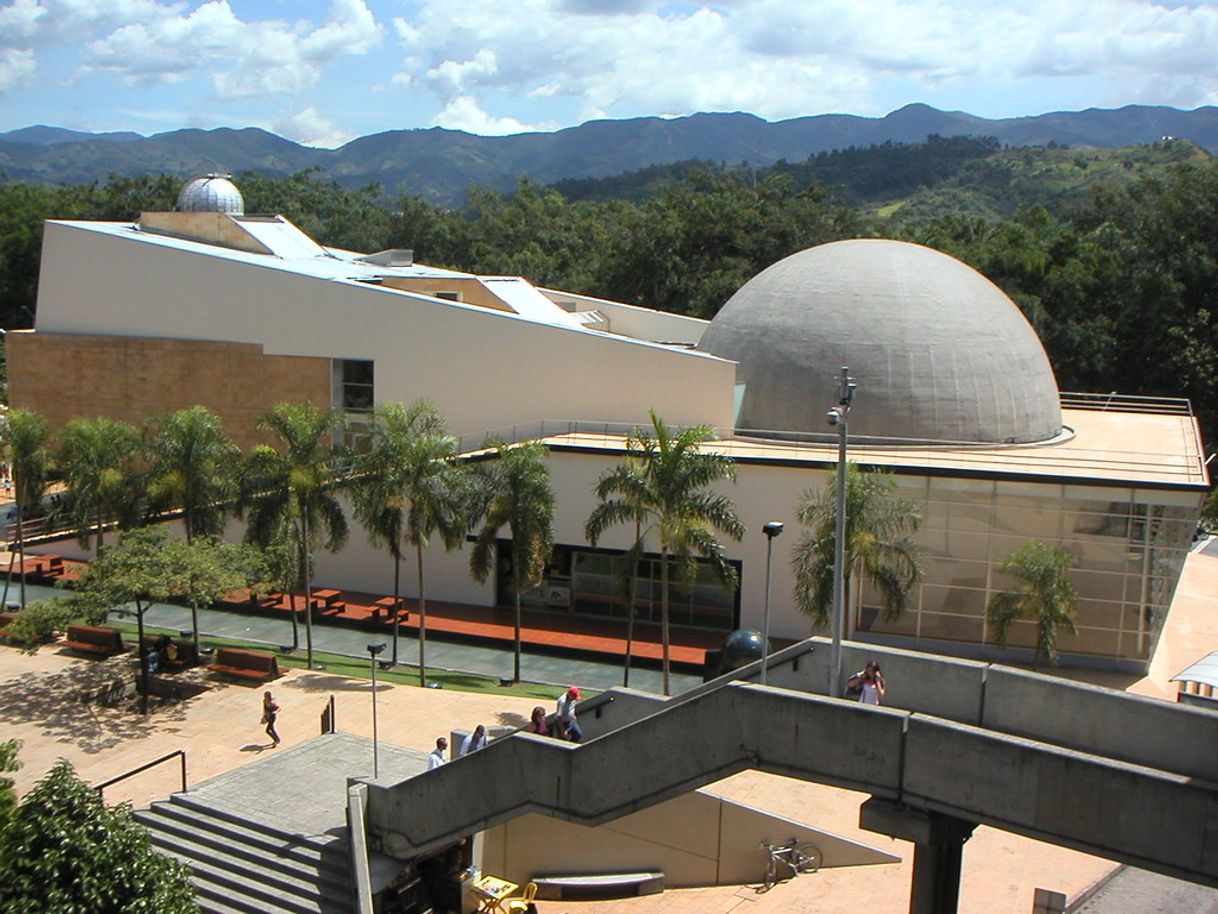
(439, 164)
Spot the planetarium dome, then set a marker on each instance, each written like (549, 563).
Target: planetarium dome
(939, 352)
(211, 194)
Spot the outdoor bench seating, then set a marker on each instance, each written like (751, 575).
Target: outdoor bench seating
(96, 640)
(179, 655)
(384, 606)
(256, 666)
(600, 886)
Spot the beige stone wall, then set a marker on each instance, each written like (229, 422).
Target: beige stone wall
(63, 376)
(216, 228)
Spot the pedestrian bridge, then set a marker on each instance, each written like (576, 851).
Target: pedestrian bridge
(960, 743)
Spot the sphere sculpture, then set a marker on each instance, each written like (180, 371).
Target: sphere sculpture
(741, 648)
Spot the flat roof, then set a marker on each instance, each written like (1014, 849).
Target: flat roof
(1134, 448)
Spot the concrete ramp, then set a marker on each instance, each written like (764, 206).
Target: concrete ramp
(1147, 817)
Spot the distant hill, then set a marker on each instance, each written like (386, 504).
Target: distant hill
(439, 165)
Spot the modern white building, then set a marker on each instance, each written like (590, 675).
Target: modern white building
(955, 396)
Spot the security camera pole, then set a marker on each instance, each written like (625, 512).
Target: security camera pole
(771, 530)
(838, 416)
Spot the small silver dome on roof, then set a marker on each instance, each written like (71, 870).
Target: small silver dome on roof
(940, 352)
(211, 194)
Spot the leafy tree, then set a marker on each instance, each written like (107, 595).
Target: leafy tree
(409, 487)
(519, 496)
(291, 487)
(1045, 596)
(146, 568)
(25, 441)
(662, 487)
(878, 546)
(98, 460)
(8, 794)
(355, 219)
(65, 852)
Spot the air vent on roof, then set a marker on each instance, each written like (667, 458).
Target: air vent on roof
(394, 257)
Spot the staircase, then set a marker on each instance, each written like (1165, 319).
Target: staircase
(240, 865)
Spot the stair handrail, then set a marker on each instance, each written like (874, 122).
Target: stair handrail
(134, 771)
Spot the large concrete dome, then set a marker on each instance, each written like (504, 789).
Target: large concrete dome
(938, 351)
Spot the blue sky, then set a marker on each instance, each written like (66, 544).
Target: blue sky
(325, 71)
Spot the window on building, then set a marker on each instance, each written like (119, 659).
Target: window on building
(353, 390)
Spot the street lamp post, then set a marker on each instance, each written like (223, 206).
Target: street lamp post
(373, 651)
(838, 417)
(771, 530)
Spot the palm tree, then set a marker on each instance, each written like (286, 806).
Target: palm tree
(662, 487)
(193, 466)
(518, 496)
(408, 488)
(98, 457)
(624, 478)
(291, 489)
(878, 546)
(1045, 595)
(25, 437)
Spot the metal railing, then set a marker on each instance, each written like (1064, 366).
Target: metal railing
(180, 753)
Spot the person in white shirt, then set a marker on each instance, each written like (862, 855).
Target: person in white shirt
(436, 758)
(568, 726)
(475, 741)
(867, 685)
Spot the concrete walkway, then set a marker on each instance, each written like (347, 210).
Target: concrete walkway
(484, 659)
(220, 731)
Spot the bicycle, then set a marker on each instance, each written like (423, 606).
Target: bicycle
(797, 857)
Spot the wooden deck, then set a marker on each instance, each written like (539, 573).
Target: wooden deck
(560, 632)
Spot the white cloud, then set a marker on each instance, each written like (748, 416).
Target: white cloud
(16, 68)
(464, 113)
(309, 128)
(782, 58)
(243, 58)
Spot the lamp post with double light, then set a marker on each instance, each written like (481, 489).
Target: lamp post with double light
(771, 530)
(839, 418)
(375, 650)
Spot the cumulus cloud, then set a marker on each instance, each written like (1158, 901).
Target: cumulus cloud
(783, 58)
(464, 113)
(242, 57)
(309, 128)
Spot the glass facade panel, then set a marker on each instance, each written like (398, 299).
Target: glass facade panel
(950, 628)
(960, 600)
(1099, 613)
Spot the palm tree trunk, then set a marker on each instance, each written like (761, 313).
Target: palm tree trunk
(20, 546)
(295, 620)
(194, 605)
(634, 573)
(97, 554)
(397, 590)
(516, 667)
(664, 614)
(308, 587)
(422, 618)
(139, 646)
(848, 607)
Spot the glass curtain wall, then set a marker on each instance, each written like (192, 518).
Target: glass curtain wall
(1128, 545)
(587, 582)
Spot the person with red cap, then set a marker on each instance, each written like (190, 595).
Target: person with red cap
(568, 726)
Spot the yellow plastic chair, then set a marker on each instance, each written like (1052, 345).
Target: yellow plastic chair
(518, 904)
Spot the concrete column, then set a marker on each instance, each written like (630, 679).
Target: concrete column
(938, 848)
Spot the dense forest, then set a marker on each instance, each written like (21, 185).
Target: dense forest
(1119, 277)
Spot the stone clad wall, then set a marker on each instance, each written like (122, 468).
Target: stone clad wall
(63, 376)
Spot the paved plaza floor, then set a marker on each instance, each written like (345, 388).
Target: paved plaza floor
(220, 731)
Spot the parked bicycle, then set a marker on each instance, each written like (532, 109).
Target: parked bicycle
(795, 856)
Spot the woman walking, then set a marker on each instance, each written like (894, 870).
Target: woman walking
(270, 711)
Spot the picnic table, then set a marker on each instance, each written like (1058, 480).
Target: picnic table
(328, 600)
(386, 605)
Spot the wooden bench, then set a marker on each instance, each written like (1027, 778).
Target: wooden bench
(601, 886)
(181, 653)
(256, 666)
(96, 640)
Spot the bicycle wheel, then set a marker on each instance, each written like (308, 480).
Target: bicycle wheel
(806, 858)
(771, 872)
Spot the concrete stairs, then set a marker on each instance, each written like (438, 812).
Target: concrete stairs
(242, 866)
